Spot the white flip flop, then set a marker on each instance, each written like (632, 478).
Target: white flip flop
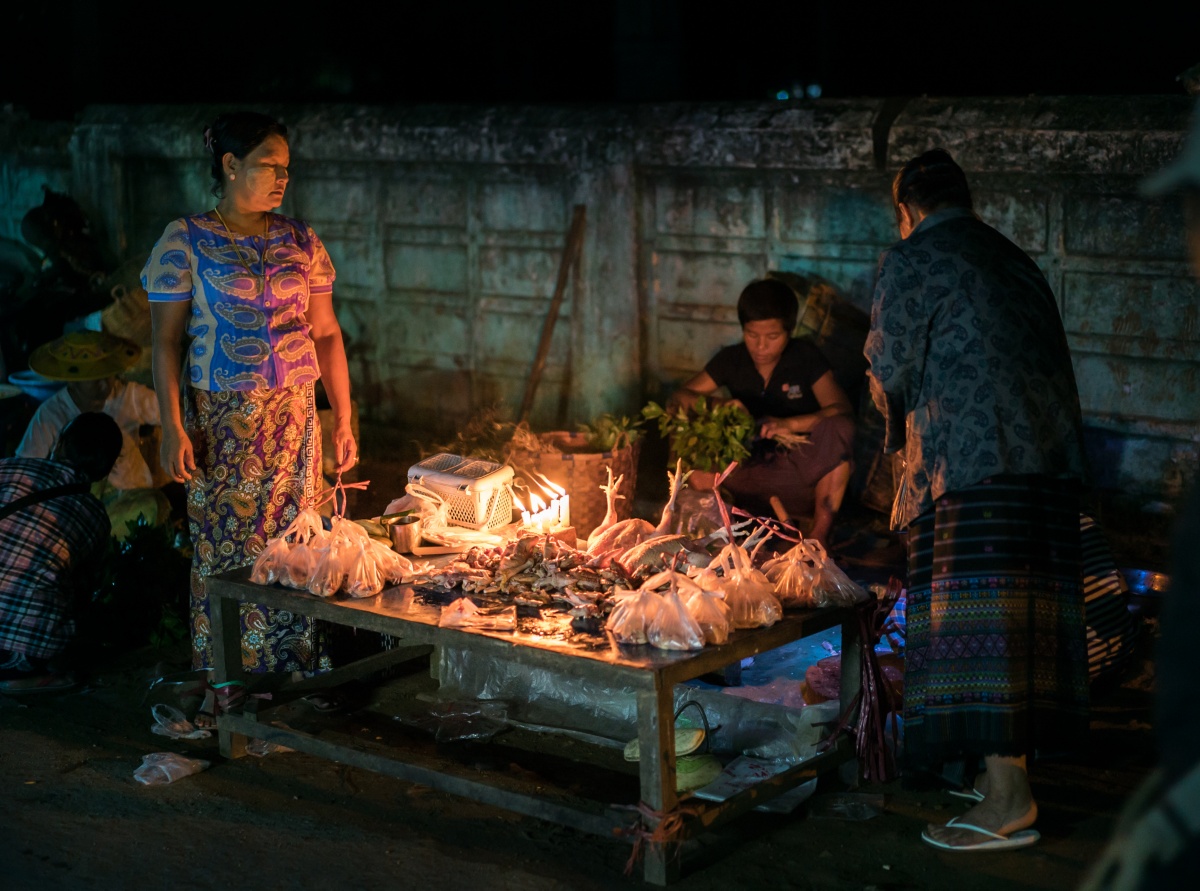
(971, 794)
(994, 841)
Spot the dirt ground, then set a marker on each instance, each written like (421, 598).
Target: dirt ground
(73, 817)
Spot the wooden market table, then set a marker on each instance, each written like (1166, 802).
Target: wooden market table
(651, 672)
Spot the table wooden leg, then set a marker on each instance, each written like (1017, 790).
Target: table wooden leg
(226, 620)
(851, 683)
(656, 766)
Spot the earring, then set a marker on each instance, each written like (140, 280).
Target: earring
(232, 176)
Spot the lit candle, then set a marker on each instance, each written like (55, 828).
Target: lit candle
(538, 519)
(521, 508)
(559, 503)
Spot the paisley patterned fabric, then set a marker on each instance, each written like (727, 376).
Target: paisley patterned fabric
(245, 334)
(258, 458)
(996, 659)
(969, 363)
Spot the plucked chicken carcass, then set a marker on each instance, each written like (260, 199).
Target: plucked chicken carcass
(648, 554)
(613, 534)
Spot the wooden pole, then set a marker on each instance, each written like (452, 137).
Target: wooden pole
(569, 258)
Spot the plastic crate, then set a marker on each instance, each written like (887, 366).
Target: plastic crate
(478, 493)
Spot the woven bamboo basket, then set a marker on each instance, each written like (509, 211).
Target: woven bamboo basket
(581, 470)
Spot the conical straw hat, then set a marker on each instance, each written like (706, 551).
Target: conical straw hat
(84, 356)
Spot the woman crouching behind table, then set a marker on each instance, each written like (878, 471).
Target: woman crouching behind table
(250, 294)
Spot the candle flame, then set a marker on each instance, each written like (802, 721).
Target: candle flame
(549, 484)
(517, 502)
(536, 502)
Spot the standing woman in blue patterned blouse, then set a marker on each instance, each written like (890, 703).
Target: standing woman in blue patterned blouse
(242, 305)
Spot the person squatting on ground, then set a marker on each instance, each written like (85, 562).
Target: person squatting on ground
(969, 365)
(787, 386)
(53, 534)
(90, 362)
(251, 291)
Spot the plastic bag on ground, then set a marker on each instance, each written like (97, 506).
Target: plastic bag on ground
(743, 772)
(161, 768)
(631, 617)
(673, 628)
(260, 748)
(171, 723)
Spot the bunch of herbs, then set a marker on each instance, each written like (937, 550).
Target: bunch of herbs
(609, 433)
(707, 437)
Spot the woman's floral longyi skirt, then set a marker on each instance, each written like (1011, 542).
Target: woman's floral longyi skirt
(258, 459)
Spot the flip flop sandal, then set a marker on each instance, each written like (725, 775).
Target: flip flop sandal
(971, 794)
(687, 740)
(46, 683)
(696, 771)
(992, 841)
(688, 737)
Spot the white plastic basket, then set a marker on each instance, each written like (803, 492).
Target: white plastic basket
(478, 493)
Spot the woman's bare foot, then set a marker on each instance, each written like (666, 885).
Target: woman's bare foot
(1007, 806)
(981, 784)
(992, 817)
(206, 715)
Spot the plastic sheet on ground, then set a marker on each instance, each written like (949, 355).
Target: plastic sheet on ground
(457, 721)
(851, 806)
(743, 772)
(538, 696)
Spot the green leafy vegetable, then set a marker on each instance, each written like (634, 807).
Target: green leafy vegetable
(706, 438)
(608, 433)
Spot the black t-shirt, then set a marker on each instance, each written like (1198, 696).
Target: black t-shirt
(789, 391)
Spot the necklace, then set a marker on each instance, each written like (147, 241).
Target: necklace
(242, 258)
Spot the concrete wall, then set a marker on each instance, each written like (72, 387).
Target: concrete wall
(446, 226)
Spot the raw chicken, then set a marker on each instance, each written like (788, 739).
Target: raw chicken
(610, 515)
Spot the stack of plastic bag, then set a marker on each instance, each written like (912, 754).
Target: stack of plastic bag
(703, 599)
(356, 563)
(748, 592)
(345, 559)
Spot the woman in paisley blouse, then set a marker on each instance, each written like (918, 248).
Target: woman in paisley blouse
(970, 365)
(247, 294)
